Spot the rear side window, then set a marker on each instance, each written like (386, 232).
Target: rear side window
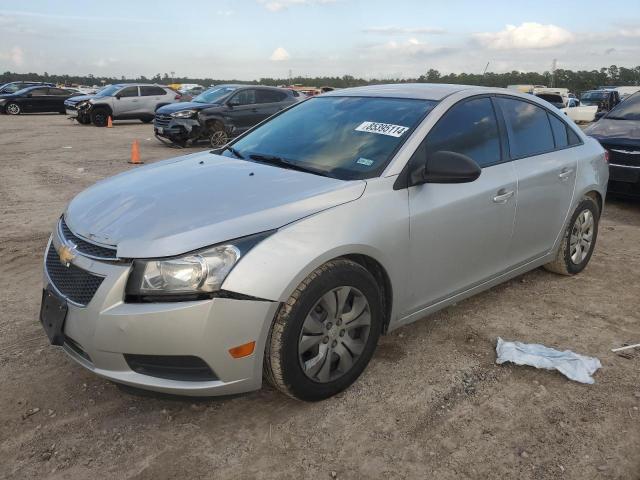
(469, 128)
(573, 137)
(39, 92)
(129, 92)
(528, 128)
(560, 134)
(270, 96)
(152, 91)
(58, 91)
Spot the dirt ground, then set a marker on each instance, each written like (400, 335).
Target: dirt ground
(433, 404)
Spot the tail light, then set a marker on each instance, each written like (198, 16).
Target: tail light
(177, 97)
(606, 156)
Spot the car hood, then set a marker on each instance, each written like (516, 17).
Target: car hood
(78, 98)
(177, 107)
(625, 131)
(190, 202)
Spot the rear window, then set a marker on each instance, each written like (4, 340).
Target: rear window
(560, 134)
(528, 128)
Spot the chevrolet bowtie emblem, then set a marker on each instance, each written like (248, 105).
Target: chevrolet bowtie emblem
(66, 254)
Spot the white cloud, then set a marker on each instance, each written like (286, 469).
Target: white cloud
(527, 35)
(279, 5)
(392, 30)
(105, 62)
(15, 55)
(279, 55)
(631, 32)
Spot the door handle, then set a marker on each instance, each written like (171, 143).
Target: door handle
(565, 174)
(503, 195)
(254, 110)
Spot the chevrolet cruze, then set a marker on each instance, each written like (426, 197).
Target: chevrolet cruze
(289, 251)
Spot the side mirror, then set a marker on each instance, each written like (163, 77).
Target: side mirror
(118, 96)
(232, 103)
(29, 95)
(448, 167)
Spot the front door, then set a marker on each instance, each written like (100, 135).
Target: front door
(460, 234)
(545, 166)
(243, 110)
(126, 103)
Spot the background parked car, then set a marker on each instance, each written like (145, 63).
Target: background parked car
(619, 133)
(71, 106)
(125, 102)
(216, 113)
(35, 99)
(13, 87)
(605, 100)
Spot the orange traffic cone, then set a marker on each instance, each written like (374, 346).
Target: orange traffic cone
(135, 153)
(109, 122)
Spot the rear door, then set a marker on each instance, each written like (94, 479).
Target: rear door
(545, 166)
(126, 103)
(460, 233)
(57, 96)
(269, 103)
(151, 96)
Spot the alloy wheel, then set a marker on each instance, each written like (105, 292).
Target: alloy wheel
(13, 109)
(334, 334)
(219, 138)
(581, 237)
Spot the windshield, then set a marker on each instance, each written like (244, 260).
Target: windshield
(108, 91)
(213, 95)
(627, 110)
(593, 98)
(342, 137)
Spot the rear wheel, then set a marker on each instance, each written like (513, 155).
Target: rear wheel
(324, 336)
(100, 117)
(579, 239)
(13, 109)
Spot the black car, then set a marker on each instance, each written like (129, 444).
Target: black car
(619, 133)
(35, 99)
(13, 87)
(605, 100)
(220, 113)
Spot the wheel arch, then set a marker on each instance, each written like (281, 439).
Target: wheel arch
(103, 106)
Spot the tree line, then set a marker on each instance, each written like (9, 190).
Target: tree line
(575, 81)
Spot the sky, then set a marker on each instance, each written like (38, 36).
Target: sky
(250, 39)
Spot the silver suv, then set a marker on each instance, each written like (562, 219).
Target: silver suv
(291, 249)
(122, 102)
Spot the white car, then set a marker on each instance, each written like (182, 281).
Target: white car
(580, 113)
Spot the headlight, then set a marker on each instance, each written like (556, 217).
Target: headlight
(184, 114)
(192, 276)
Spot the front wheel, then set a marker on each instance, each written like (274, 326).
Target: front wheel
(13, 109)
(325, 334)
(100, 117)
(579, 239)
(218, 135)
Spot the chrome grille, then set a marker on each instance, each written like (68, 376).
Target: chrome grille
(161, 120)
(75, 284)
(85, 248)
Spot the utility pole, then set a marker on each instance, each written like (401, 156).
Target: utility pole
(554, 64)
(173, 74)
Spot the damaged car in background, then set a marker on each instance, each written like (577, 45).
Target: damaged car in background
(124, 101)
(220, 113)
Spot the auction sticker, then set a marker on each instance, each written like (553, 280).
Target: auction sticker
(382, 128)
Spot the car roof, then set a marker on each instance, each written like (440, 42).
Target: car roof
(420, 91)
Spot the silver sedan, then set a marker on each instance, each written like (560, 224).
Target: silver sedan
(289, 251)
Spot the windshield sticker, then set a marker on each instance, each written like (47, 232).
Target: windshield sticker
(382, 128)
(364, 161)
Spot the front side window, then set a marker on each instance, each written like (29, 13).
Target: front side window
(528, 128)
(245, 97)
(39, 92)
(469, 128)
(129, 92)
(341, 137)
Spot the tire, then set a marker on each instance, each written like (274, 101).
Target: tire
(569, 259)
(218, 135)
(298, 367)
(13, 109)
(83, 119)
(100, 117)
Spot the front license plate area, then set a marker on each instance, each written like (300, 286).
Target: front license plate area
(160, 130)
(53, 313)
